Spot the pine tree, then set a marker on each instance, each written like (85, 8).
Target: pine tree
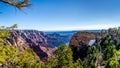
(64, 56)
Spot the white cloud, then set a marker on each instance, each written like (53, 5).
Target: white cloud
(81, 27)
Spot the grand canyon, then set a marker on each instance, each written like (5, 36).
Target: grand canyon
(59, 34)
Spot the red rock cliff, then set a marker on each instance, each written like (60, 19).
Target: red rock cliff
(36, 40)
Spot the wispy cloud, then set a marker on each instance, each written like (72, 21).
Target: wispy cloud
(82, 27)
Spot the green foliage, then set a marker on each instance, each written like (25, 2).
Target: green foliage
(11, 57)
(109, 52)
(51, 63)
(92, 52)
(4, 33)
(103, 54)
(78, 64)
(118, 47)
(118, 52)
(27, 58)
(112, 63)
(89, 62)
(62, 59)
(118, 30)
(108, 41)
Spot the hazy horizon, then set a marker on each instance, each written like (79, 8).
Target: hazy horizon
(86, 27)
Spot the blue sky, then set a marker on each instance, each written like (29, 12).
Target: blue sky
(52, 15)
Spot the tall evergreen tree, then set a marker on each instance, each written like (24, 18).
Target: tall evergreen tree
(64, 57)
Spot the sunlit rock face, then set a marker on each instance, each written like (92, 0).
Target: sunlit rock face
(83, 38)
(81, 41)
(33, 36)
(42, 44)
(34, 39)
(16, 40)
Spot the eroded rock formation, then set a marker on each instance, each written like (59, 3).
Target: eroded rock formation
(80, 43)
(36, 40)
(83, 38)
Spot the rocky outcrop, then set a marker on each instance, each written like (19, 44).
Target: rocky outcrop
(42, 44)
(80, 43)
(33, 39)
(83, 38)
(16, 40)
